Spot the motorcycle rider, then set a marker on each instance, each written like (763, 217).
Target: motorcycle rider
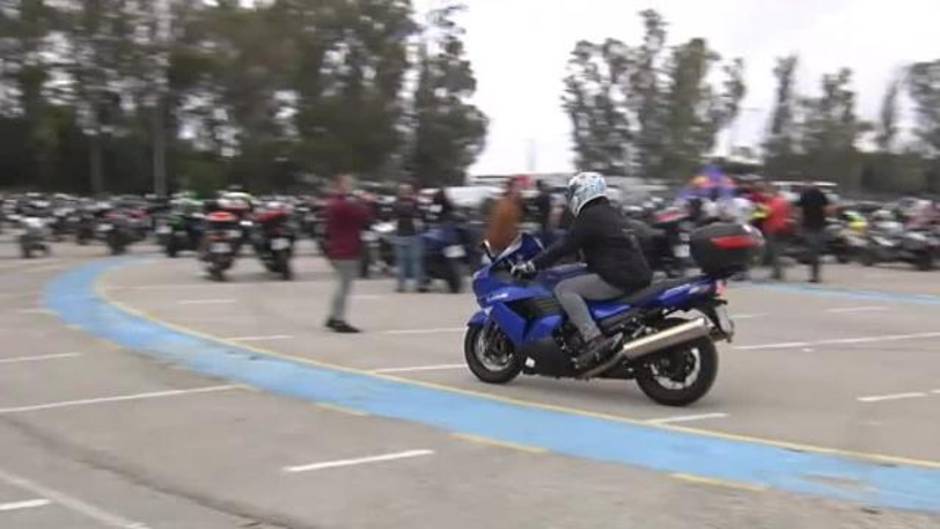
(614, 258)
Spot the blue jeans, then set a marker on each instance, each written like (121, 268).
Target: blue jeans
(409, 259)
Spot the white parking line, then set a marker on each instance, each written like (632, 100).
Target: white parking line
(687, 418)
(45, 268)
(838, 341)
(36, 311)
(260, 338)
(426, 331)
(70, 502)
(37, 358)
(26, 504)
(119, 398)
(749, 316)
(204, 301)
(871, 308)
(895, 396)
(438, 367)
(359, 461)
(935, 391)
(367, 296)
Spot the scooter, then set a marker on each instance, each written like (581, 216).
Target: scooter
(521, 328)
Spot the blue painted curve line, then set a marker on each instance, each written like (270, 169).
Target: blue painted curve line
(870, 295)
(73, 297)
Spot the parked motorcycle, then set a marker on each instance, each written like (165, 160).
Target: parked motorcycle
(670, 243)
(116, 231)
(445, 255)
(378, 250)
(32, 236)
(180, 233)
(85, 227)
(891, 242)
(273, 242)
(222, 234)
(522, 329)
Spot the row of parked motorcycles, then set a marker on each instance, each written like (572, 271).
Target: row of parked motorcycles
(880, 237)
(37, 223)
(217, 232)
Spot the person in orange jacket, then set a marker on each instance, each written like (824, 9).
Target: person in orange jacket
(503, 226)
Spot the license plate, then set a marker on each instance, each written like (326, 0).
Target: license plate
(280, 244)
(220, 247)
(163, 230)
(725, 324)
(105, 227)
(369, 237)
(681, 251)
(454, 252)
(235, 234)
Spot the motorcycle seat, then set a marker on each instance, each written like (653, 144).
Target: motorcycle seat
(651, 292)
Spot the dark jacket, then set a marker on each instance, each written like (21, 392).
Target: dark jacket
(609, 246)
(407, 217)
(345, 219)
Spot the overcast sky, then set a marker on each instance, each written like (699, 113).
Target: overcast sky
(519, 49)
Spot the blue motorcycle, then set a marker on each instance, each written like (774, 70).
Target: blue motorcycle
(668, 330)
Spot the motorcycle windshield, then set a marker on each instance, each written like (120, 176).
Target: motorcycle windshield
(525, 246)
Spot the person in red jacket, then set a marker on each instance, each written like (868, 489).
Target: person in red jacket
(346, 217)
(777, 226)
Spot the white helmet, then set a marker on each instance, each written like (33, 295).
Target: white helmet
(583, 188)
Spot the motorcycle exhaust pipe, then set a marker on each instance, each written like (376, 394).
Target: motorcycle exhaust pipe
(636, 349)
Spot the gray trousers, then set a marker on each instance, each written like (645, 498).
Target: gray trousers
(346, 270)
(572, 293)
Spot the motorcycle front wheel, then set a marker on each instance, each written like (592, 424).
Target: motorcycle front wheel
(681, 375)
(490, 355)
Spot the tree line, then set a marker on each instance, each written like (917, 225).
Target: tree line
(656, 111)
(134, 95)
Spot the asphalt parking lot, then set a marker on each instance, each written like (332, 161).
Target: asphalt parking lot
(98, 431)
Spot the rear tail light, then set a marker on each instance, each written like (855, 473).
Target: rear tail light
(735, 242)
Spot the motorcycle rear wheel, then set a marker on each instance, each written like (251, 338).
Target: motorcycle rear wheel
(656, 376)
(489, 365)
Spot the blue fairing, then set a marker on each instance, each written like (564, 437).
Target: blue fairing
(543, 327)
(478, 318)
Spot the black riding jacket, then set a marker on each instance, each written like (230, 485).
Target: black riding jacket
(608, 245)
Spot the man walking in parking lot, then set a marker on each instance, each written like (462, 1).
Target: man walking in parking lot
(346, 217)
(813, 206)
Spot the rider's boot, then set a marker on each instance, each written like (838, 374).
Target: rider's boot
(596, 351)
